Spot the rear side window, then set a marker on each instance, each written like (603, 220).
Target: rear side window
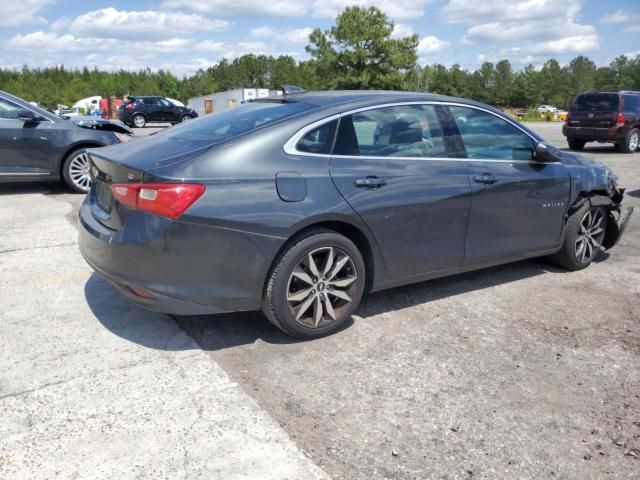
(318, 140)
(596, 102)
(632, 103)
(487, 136)
(219, 127)
(402, 131)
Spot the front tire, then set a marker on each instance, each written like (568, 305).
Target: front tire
(584, 234)
(186, 118)
(631, 141)
(575, 144)
(315, 286)
(75, 171)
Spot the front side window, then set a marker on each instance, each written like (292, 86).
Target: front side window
(401, 131)
(486, 136)
(318, 140)
(8, 111)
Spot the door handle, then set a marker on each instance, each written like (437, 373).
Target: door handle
(485, 178)
(370, 182)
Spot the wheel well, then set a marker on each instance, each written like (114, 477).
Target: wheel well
(352, 233)
(75, 148)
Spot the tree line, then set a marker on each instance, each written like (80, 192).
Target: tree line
(358, 52)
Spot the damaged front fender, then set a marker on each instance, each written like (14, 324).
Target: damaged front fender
(103, 124)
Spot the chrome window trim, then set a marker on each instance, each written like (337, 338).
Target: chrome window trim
(21, 107)
(290, 145)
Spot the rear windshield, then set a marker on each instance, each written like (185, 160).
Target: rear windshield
(236, 121)
(596, 102)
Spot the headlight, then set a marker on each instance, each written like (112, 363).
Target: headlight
(122, 137)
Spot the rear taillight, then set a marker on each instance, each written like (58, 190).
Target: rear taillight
(620, 120)
(130, 105)
(164, 199)
(567, 119)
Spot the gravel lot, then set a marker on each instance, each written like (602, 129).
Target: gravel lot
(519, 371)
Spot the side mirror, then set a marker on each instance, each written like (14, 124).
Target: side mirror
(546, 153)
(27, 116)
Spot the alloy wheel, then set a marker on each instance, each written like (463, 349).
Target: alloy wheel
(139, 121)
(321, 287)
(79, 171)
(633, 141)
(590, 235)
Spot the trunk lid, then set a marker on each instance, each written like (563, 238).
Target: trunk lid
(128, 163)
(595, 110)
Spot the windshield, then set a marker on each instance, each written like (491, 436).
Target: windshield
(596, 102)
(236, 121)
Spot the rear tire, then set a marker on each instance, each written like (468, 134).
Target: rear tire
(315, 285)
(575, 144)
(584, 234)
(75, 171)
(631, 141)
(139, 121)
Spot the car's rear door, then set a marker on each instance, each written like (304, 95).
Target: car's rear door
(391, 165)
(517, 203)
(152, 109)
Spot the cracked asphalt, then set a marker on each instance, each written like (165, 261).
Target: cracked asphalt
(521, 371)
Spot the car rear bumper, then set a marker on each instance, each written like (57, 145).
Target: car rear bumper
(186, 268)
(593, 134)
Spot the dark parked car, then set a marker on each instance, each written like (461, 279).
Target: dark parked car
(300, 204)
(604, 117)
(138, 111)
(37, 145)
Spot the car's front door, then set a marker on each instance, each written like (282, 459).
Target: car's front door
(517, 203)
(26, 148)
(391, 166)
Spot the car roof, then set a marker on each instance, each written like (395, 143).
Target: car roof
(340, 100)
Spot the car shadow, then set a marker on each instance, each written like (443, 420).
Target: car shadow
(603, 149)
(25, 188)
(218, 332)
(634, 193)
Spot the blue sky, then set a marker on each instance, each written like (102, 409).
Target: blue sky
(184, 35)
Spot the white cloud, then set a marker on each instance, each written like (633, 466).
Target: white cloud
(146, 25)
(24, 12)
(632, 29)
(401, 30)
(619, 16)
(49, 42)
(431, 44)
(533, 27)
(465, 11)
(296, 35)
(285, 8)
(577, 44)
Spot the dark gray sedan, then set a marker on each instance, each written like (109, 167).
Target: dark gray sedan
(37, 145)
(300, 204)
